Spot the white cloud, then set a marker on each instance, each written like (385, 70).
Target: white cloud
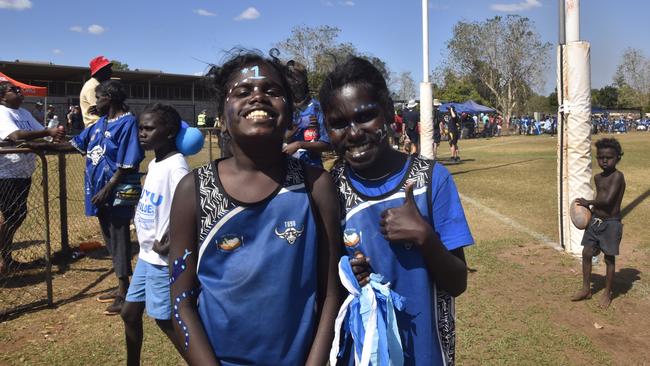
(76, 28)
(521, 6)
(15, 4)
(204, 13)
(96, 29)
(327, 3)
(57, 51)
(248, 14)
(348, 3)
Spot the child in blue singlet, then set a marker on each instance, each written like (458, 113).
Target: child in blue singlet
(401, 211)
(255, 237)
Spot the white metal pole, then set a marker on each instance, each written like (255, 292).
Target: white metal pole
(572, 19)
(426, 91)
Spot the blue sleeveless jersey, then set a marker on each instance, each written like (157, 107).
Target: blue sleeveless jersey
(426, 324)
(257, 271)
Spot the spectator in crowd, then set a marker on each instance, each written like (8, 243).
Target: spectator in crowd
(38, 113)
(411, 121)
(100, 71)
(112, 152)
(201, 119)
(306, 138)
(75, 121)
(398, 127)
(49, 116)
(437, 120)
(149, 289)
(16, 124)
(453, 130)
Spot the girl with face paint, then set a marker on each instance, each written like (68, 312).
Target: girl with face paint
(256, 235)
(401, 211)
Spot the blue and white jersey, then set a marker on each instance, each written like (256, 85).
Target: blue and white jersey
(108, 145)
(257, 270)
(301, 121)
(426, 324)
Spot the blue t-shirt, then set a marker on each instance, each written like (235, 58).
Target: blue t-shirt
(403, 265)
(108, 145)
(301, 121)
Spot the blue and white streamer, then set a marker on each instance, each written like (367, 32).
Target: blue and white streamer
(368, 315)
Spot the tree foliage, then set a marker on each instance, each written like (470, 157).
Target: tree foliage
(605, 97)
(318, 49)
(633, 79)
(403, 87)
(119, 66)
(505, 55)
(452, 87)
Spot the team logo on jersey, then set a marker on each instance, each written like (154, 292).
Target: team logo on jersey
(351, 238)
(230, 242)
(290, 233)
(96, 153)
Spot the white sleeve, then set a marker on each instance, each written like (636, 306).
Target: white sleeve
(7, 125)
(175, 177)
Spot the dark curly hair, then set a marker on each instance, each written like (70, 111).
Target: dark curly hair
(236, 60)
(165, 113)
(4, 87)
(611, 143)
(115, 90)
(358, 72)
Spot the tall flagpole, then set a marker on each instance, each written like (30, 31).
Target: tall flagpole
(426, 90)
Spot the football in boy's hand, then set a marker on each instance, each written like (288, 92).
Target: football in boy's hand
(580, 215)
(189, 140)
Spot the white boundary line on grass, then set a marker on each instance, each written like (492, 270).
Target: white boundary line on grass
(512, 223)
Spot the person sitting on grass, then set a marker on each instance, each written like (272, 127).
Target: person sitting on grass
(149, 288)
(16, 124)
(255, 237)
(605, 230)
(402, 211)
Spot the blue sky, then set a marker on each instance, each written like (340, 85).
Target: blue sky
(181, 36)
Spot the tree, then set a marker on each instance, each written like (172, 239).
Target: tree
(455, 88)
(404, 86)
(633, 79)
(505, 55)
(317, 48)
(119, 66)
(605, 97)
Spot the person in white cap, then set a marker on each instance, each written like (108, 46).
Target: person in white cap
(411, 120)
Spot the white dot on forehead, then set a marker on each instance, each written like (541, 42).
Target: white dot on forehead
(348, 90)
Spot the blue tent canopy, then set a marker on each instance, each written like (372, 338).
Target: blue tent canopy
(469, 107)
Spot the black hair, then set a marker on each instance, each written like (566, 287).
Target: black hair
(611, 143)
(297, 76)
(4, 87)
(236, 60)
(115, 91)
(165, 114)
(358, 72)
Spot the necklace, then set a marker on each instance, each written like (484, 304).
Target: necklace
(371, 179)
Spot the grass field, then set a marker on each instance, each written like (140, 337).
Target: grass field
(516, 310)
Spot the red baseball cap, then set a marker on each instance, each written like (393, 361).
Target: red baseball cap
(98, 63)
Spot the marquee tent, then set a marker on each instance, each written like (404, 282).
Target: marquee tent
(28, 90)
(469, 107)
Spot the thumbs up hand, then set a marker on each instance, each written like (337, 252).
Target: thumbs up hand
(404, 224)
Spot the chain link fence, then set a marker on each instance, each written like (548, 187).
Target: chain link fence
(26, 271)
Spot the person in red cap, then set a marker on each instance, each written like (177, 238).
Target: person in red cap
(100, 70)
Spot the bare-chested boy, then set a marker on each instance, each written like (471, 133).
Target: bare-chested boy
(605, 229)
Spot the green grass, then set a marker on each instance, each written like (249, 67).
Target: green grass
(515, 311)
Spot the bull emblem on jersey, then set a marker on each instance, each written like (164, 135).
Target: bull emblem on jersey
(96, 153)
(290, 234)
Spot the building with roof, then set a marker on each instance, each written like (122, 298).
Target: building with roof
(189, 94)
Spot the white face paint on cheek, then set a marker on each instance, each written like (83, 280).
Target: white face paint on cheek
(381, 133)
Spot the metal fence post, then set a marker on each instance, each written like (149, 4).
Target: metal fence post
(63, 204)
(48, 248)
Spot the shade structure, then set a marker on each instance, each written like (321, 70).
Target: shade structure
(28, 90)
(474, 107)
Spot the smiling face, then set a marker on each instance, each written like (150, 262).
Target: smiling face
(256, 103)
(357, 126)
